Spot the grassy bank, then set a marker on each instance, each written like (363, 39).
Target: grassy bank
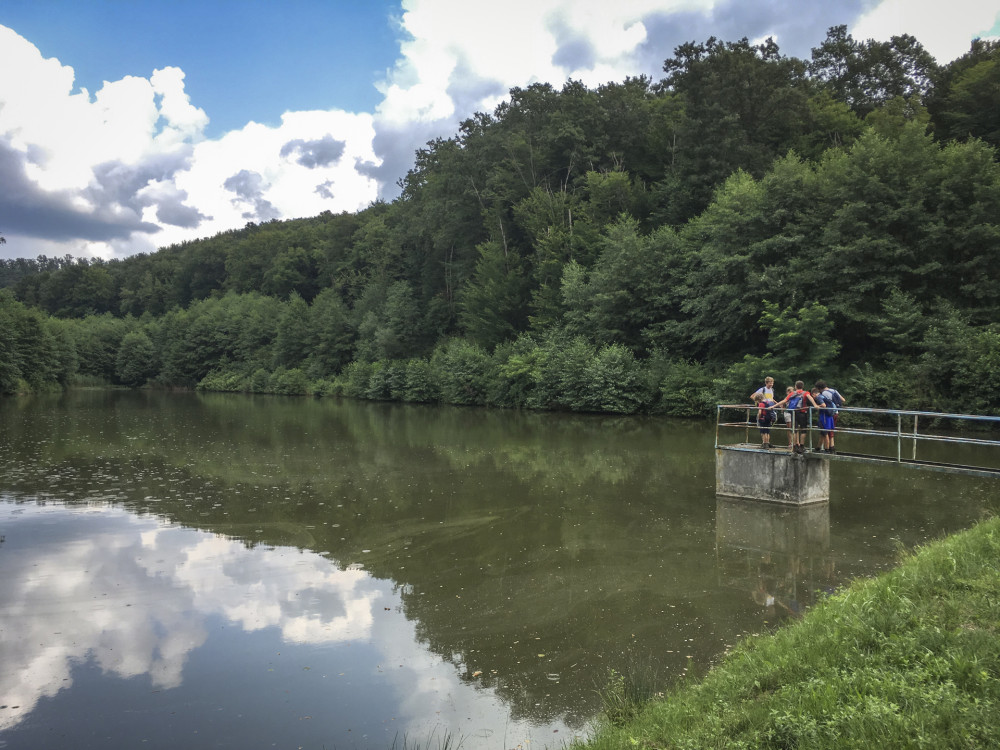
(909, 659)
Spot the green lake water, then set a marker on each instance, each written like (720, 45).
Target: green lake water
(190, 570)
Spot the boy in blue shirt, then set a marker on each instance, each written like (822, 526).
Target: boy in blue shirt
(831, 400)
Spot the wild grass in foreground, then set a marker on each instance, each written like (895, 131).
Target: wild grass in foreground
(433, 742)
(909, 659)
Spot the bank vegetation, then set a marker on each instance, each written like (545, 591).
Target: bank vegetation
(910, 659)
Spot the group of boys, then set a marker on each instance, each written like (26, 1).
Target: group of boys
(796, 403)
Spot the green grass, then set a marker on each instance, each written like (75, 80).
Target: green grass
(910, 659)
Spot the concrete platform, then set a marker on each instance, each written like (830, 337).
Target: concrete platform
(748, 471)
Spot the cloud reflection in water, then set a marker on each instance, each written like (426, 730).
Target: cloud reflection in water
(134, 596)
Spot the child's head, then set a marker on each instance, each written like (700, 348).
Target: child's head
(769, 381)
(789, 389)
(820, 385)
(757, 397)
(799, 385)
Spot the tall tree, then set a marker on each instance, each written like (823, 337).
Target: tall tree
(866, 75)
(744, 105)
(965, 102)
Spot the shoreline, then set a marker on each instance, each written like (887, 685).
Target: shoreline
(909, 658)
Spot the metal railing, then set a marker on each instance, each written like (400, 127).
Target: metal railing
(884, 428)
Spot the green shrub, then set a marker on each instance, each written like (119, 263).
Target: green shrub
(420, 386)
(353, 380)
(686, 390)
(614, 382)
(293, 382)
(379, 382)
(260, 381)
(222, 380)
(517, 368)
(462, 370)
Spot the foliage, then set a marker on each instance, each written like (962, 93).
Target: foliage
(135, 362)
(686, 388)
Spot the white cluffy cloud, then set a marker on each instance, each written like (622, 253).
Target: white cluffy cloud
(944, 29)
(489, 48)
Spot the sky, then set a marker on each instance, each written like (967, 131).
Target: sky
(131, 125)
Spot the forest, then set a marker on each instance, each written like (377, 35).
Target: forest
(640, 247)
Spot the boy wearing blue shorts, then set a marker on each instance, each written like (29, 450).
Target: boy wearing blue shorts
(826, 425)
(832, 399)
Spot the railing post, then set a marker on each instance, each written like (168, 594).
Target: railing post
(718, 419)
(899, 438)
(914, 437)
(810, 427)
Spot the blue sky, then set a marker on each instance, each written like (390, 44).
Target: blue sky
(251, 59)
(128, 125)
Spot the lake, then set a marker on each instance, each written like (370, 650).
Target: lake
(226, 571)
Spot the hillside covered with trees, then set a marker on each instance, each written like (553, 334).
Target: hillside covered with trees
(645, 246)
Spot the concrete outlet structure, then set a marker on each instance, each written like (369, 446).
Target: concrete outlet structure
(779, 476)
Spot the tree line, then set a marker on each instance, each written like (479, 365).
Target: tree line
(637, 247)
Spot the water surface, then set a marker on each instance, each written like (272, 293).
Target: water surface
(232, 571)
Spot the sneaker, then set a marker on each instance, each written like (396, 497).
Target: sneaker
(832, 450)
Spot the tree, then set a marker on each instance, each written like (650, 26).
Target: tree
(744, 105)
(493, 304)
(800, 341)
(866, 75)
(628, 287)
(332, 335)
(293, 342)
(965, 102)
(97, 339)
(135, 362)
(291, 270)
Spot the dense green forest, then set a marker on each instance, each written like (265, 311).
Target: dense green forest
(645, 246)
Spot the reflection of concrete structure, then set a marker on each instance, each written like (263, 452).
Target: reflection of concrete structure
(777, 553)
(774, 475)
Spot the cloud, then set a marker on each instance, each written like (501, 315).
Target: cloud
(317, 153)
(249, 189)
(944, 29)
(58, 215)
(302, 167)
